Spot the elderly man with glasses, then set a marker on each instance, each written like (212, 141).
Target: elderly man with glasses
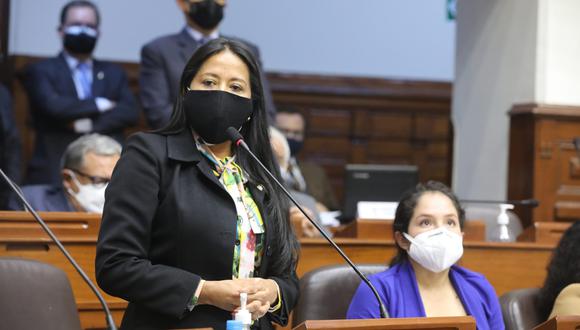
(87, 166)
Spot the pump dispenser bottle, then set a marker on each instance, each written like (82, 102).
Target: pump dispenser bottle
(503, 233)
(243, 315)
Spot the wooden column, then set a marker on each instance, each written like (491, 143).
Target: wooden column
(543, 162)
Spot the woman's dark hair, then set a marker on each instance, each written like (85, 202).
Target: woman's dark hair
(406, 208)
(563, 270)
(255, 132)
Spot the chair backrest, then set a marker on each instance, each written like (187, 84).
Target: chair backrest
(34, 295)
(489, 214)
(520, 310)
(326, 292)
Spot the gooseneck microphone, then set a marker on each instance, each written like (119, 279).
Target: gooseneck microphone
(238, 141)
(110, 322)
(523, 202)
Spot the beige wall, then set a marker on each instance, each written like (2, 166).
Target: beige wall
(558, 65)
(507, 51)
(494, 68)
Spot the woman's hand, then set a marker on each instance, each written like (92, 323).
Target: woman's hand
(223, 294)
(226, 294)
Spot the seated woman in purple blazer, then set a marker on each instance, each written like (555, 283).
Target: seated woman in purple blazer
(422, 279)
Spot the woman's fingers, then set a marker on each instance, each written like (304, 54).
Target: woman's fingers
(258, 309)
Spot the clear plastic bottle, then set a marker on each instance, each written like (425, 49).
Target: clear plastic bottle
(502, 232)
(243, 315)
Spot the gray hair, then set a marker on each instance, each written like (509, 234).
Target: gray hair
(275, 134)
(101, 145)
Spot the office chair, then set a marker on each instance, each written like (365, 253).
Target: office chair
(325, 293)
(519, 309)
(34, 295)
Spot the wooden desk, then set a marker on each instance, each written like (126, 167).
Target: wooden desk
(560, 323)
(508, 266)
(545, 232)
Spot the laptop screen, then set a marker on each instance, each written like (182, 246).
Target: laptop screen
(375, 183)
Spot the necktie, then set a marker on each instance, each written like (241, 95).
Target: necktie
(84, 80)
(203, 40)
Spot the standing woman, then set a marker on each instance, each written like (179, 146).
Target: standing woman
(422, 279)
(189, 223)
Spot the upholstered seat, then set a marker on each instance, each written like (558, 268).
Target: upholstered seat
(325, 293)
(34, 295)
(519, 309)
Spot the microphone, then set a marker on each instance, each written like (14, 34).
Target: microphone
(238, 141)
(531, 202)
(109, 317)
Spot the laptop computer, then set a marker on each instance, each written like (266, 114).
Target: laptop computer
(376, 183)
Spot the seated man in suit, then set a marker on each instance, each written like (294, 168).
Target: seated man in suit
(9, 146)
(304, 176)
(281, 151)
(87, 166)
(163, 59)
(74, 94)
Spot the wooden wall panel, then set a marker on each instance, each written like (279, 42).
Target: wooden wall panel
(382, 122)
(350, 120)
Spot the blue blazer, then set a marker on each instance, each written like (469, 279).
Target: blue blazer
(397, 287)
(43, 198)
(55, 105)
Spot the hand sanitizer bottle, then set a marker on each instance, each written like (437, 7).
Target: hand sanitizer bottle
(503, 233)
(243, 314)
(233, 325)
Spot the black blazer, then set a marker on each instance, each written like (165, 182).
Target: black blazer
(9, 146)
(167, 223)
(55, 105)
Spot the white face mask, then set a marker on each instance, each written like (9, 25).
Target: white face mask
(437, 249)
(90, 197)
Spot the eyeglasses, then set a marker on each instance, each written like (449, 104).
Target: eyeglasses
(97, 181)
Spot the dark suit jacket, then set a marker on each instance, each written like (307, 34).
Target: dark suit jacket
(167, 223)
(43, 198)
(54, 106)
(162, 63)
(318, 185)
(9, 146)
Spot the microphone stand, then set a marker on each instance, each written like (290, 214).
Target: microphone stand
(238, 140)
(109, 317)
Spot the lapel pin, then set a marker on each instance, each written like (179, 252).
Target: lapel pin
(100, 75)
(260, 187)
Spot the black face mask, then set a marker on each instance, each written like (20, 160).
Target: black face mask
(79, 43)
(295, 146)
(207, 14)
(210, 113)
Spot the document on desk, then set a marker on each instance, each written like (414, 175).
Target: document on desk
(376, 210)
